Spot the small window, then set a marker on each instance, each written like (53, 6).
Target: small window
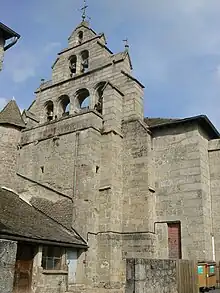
(52, 258)
(80, 37)
(85, 61)
(49, 110)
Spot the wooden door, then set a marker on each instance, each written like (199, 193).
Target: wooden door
(174, 240)
(72, 265)
(23, 269)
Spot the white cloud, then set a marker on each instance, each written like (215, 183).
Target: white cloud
(23, 64)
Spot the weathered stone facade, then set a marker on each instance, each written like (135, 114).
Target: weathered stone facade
(157, 275)
(103, 169)
(8, 251)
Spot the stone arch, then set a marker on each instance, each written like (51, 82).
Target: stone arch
(49, 110)
(85, 61)
(72, 64)
(82, 100)
(99, 96)
(64, 105)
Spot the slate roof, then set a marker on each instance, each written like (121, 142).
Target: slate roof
(159, 121)
(21, 220)
(12, 115)
(7, 32)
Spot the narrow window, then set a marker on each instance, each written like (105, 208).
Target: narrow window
(49, 110)
(52, 258)
(80, 37)
(85, 61)
(72, 64)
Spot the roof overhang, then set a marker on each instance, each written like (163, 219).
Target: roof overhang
(7, 32)
(14, 237)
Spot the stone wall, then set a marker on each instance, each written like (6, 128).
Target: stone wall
(49, 281)
(9, 140)
(156, 276)
(8, 251)
(182, 186)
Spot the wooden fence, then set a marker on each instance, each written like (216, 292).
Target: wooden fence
(187, 277)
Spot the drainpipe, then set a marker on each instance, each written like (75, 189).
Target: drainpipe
(213, 247)
(14, 41)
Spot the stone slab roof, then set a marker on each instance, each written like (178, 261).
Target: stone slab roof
(23, 221)
(12, 115)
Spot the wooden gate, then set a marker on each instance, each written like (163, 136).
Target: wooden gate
(23, 268)
(187, 277)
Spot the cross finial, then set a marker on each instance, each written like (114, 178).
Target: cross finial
(126, 44)
(84, 10)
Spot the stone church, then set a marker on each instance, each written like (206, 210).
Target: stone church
(89, 173)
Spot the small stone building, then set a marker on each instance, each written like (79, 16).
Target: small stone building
(46, 250)
(84, 155)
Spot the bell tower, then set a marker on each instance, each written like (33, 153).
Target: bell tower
(75, 141)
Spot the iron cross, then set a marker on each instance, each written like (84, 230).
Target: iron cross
(126, 44)
(84, 10)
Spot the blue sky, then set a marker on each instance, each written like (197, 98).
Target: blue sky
(174, 46)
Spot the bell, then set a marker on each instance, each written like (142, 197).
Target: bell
(50, 114)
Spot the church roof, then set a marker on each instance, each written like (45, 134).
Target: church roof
(22, 221)
(202, 120)
(12, 115)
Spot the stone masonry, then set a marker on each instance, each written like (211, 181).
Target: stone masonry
(85, 155)
(156, 276)
(8, 251)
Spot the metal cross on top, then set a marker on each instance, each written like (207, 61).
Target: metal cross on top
(84, 10)
(126, 44)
